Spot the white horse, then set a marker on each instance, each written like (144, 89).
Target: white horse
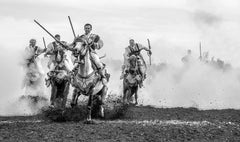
(88, 82)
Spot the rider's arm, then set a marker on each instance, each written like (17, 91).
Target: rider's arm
(141, 47)
(97, 42)
(98, 45)
(40, 50)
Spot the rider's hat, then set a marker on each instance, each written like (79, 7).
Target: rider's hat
(32, 40)
(57, 35)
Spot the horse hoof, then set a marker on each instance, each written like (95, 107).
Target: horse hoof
(101, 112)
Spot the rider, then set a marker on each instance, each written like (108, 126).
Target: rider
(134, 49)
(94, 42)
(31, 55)
(57, 58)
(187, 58)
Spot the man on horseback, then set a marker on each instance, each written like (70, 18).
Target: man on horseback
(135, 49)
(31, 55)
(187, 58)
(89, 74)
(93, 42)
(57, 62)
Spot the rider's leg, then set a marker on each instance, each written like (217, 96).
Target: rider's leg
(98, 63)
(53, 94)
(96, 60)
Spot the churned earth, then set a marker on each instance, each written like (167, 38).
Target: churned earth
(125, 123)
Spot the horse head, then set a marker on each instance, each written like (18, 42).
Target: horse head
(133, 64)
(85, 63)
(59, 56)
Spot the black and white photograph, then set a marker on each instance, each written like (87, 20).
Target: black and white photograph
(120, 71)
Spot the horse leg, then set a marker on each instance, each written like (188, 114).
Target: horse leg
(53, 93)
(128, 95)
(75, 96)
(89, 107)
(136, 95)
(103, 95)
(124, 93)
(90, 103)
(65, 94)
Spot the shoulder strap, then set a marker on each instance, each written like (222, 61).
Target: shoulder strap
(131, 49)
(137, 47)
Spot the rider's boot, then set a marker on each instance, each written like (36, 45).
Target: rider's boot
(47, 82)
(122, 75)
(101, 73)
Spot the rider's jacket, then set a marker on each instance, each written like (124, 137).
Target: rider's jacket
(31, 58)
(134, 50)
(54, 49)
(31, 52)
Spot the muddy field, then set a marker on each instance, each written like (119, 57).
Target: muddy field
(127, 123)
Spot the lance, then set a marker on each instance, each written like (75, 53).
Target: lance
(44, 43)
(65, 46)
(72, 27)
(149, 46)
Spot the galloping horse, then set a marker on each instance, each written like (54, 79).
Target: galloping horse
(88, 82)
(60, 81)
(131, 80)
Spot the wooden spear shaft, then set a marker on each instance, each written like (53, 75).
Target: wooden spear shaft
(69, 18)
(149, 46)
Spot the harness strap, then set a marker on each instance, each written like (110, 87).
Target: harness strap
(134, 52)
(85, 77)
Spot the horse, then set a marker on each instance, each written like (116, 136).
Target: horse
(131, 80)
(88, 82)
(60, 81)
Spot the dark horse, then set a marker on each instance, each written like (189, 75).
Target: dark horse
(59, 80)
(88, 82)
(131, 81)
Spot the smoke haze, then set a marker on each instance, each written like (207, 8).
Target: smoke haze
(172, 28)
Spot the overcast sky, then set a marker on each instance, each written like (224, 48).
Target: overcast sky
(173, 26)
